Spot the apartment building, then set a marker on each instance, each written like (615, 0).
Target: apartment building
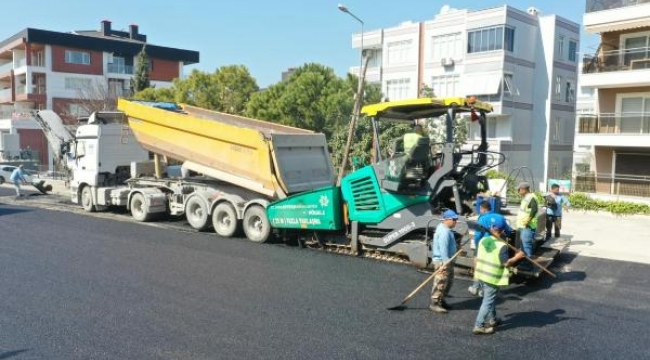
(42, 69)
(616, 135)
(523, 62)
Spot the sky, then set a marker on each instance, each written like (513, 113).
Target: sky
(267, 36)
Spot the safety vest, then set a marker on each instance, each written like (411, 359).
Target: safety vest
(410, 140)
(488, 264)
(524, 213)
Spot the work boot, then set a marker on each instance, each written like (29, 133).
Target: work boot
(493, 323)
(482, 330)
(445, 305)
(437, 308)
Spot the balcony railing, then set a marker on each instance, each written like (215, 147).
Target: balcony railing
(600, 5)
(120, 69)
(20, 62)
(617, 60)
(5, 68)
(623, 123)
(614, 184)
(5, 94)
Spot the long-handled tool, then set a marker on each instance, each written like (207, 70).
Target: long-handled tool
(402, 305)
(526, 256)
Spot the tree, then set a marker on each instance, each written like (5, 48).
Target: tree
(96, 95)
(235, 86)
(156, 94)
(228, 90)
(312, 98)
(140, 80)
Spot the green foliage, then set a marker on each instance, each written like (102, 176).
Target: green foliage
(153, 94)
(228, 90)
(312, 98)
(362, 140)
(140, 80)
(585, 202)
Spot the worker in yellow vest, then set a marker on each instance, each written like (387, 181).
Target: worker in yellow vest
(527, 219)
(411, 139)
(492, 272)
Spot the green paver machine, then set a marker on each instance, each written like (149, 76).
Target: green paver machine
(389, 209)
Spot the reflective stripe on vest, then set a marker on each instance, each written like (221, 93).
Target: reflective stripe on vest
(524, 213)
(488, 264)
(410, 140)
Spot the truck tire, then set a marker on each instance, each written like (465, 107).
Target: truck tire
(139, 209)
(196, 212)
(224, 219)
(256, 225)
(87, 200)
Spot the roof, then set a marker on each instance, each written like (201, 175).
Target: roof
(93, 40)
(423, 107)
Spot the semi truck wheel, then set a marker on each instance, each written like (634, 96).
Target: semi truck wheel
(196, 212)
(224, 219)
(87, 199)
(139, 209)
(256, 225)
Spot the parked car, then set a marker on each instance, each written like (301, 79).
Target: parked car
(5, 173)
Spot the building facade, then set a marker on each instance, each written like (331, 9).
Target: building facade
(616, 135)
(523, 62)
(42, 69)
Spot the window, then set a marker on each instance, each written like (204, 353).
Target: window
(556, 130)
(76, 83)
(634, 116)
(558, 88)
(397, 89)
(445, 86)
(560, 46)
(77, 57)
(399, 52)
(491, 127)
(636, 47)
(491, 39)
(446, 46)
(77, 110)
(569, 94)
(375, 59)
(573, 50)
(509, 88)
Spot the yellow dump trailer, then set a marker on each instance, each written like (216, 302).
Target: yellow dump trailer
(270, 159)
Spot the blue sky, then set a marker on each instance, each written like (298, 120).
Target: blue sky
(266, 36)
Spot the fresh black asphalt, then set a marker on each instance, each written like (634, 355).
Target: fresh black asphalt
(79, 287)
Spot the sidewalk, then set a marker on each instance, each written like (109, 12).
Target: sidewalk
(604, 235)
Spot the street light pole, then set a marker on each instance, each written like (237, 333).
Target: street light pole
(344, 9)
(358, 99)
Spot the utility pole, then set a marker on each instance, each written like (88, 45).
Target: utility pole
(358, 99)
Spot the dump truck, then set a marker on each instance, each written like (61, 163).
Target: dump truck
(232, 166)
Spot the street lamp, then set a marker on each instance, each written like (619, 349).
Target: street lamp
(358, 101)
(344, 9)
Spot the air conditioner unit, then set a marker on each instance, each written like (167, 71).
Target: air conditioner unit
(447, 62)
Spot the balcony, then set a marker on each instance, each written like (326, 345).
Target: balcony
(619, 68)
(615, 15)
(6, 68)
(623, 123)
(622, 129)
(120, 69)
(600, 5)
